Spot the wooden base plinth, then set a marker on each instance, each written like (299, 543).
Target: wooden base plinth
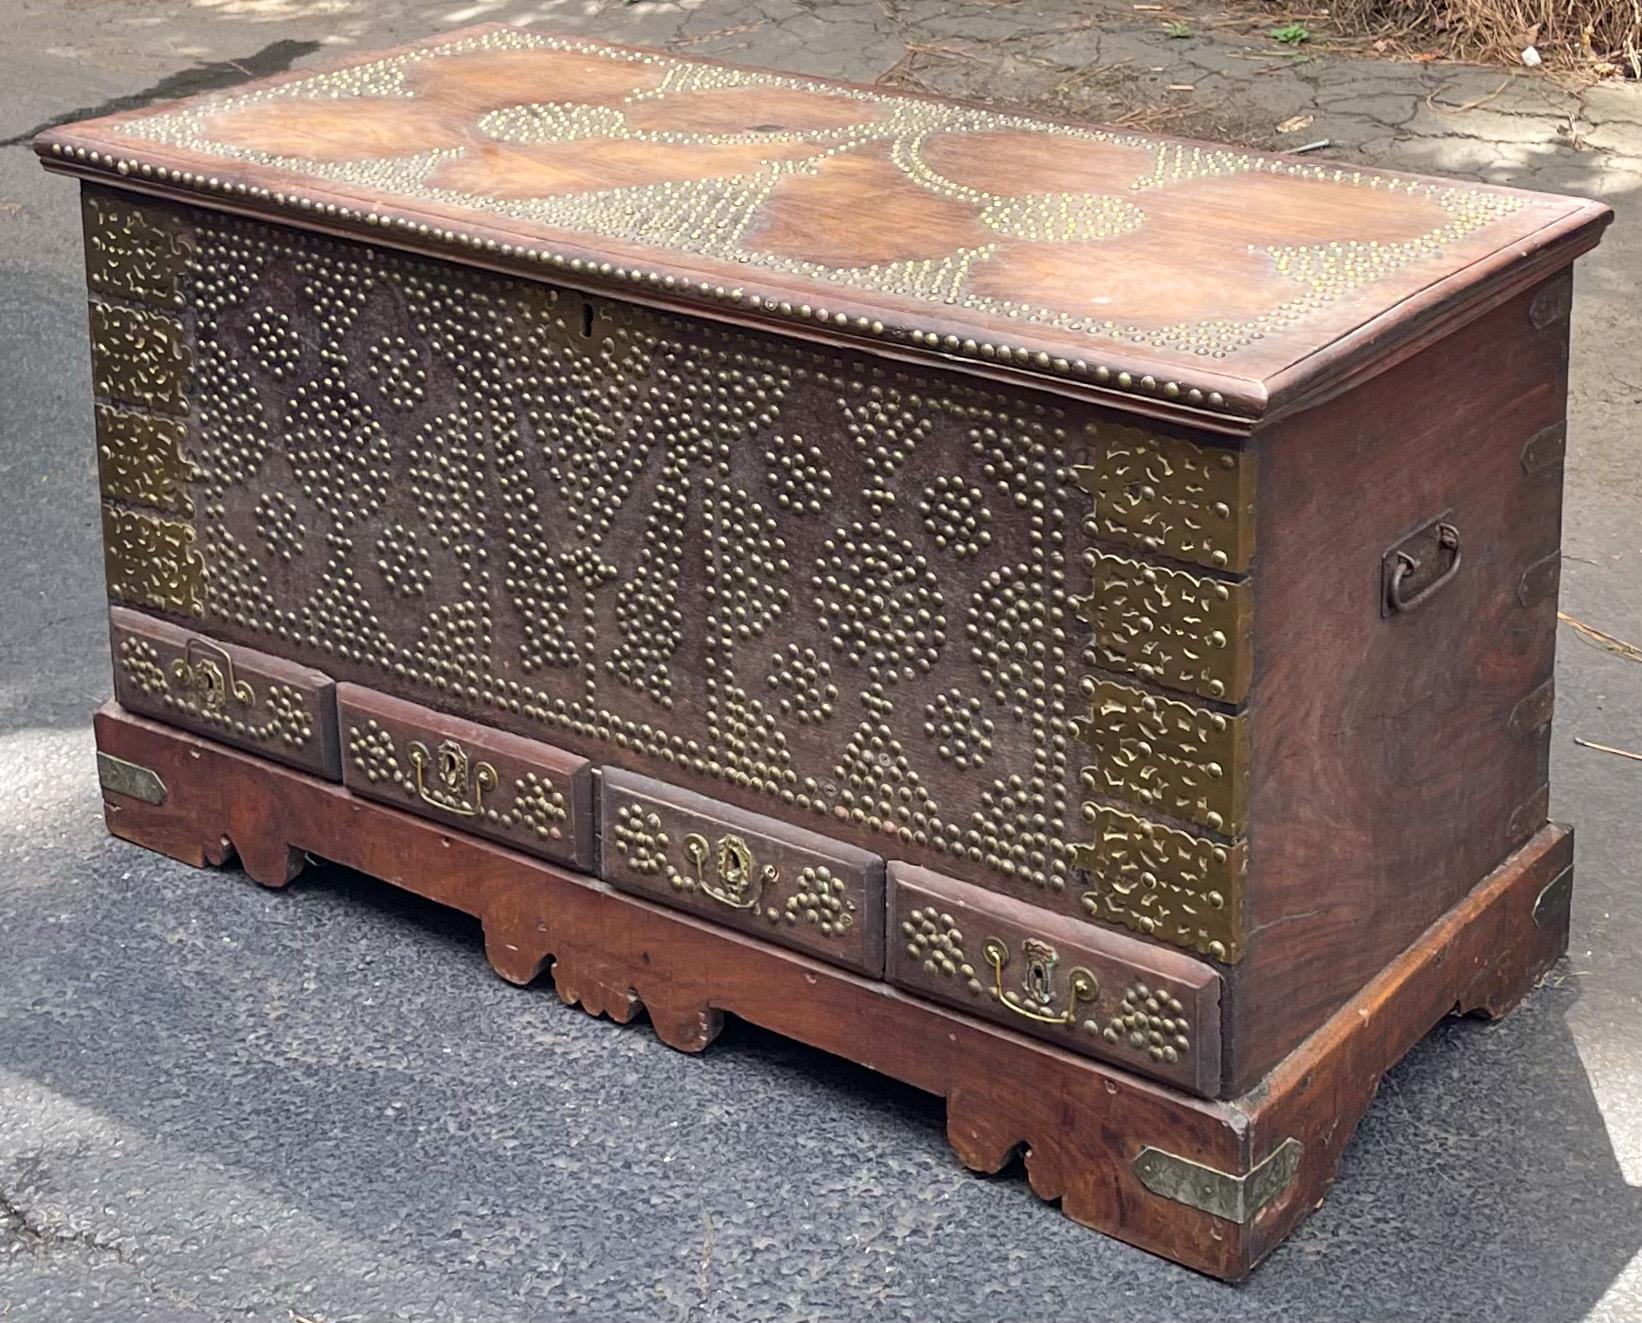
(1134, 1159)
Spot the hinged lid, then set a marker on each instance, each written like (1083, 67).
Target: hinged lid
(1168, 277)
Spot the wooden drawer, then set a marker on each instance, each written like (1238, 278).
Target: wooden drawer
(237, 695)
(530, 795)
(744, 870)
(1095, 992)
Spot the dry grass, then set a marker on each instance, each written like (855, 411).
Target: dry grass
(1601, 37)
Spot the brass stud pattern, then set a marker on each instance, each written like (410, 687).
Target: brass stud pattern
(1170, 497)
(402, 561)
(1169, 627)
(537, 808)
(586, 471)
(373, 752)
(958, 724)
(274, 344)
(140, 460)
(1148, 1021)
(1035, 217)
(280, 524)
(820, 900)
(798, 475)
(709, 216)
(1162, 882)
(933, 941)
(805, 682)
(398, 369)
(1153, 1022)
(641, 840)
(957, 514)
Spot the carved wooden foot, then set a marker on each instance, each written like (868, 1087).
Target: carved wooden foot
(1211, 1184)
(517, 947)
(139, 805)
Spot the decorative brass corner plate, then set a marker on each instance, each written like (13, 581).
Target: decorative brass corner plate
(1235, 1198)
(140, 357)
(1540, 580)
(1545, 449)
(119, 777)
(1170, 497)
(1162, 756)
(133, 251)
(1533, 712)
(1166, 883)
(1173, 628)
(140, 457)
(151, 561)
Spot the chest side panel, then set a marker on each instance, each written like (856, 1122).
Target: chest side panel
(1400, 754)
(964, 626)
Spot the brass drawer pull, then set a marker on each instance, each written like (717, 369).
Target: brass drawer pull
(736, 885)
(1038, 983)
(455, 779)
(208, 670)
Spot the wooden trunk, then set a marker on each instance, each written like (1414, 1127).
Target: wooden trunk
(1101, 585)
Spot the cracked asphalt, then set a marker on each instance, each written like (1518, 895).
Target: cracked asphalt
(223, 1103)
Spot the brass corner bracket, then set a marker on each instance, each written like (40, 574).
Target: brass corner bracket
(1236, 1198)
(119, 777)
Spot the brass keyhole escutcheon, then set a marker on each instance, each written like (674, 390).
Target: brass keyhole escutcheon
(206, 670)
(1037, 996)
(739, 881)
(459, 786)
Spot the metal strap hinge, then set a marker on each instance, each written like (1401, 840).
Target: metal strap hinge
(119, 777)
(1533, 713)
(1539, 581)
(1545, 449)
(1236, 1198)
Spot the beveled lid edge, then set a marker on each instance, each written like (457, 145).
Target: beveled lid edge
(1130, 381)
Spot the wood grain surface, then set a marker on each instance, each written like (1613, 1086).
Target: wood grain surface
(1081, 1124)
(1386, 773)
(1182, 277)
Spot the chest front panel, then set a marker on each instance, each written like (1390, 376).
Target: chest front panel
(916, 613)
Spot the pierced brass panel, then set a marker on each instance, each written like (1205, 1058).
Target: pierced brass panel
(1172, 758)
(1165, 883)
(141, 461)
(1173, 628)
(140, 357)
(1170, 497)
(132, 251)
(150, 561)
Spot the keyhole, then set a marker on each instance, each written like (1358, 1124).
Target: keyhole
(587, 321)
